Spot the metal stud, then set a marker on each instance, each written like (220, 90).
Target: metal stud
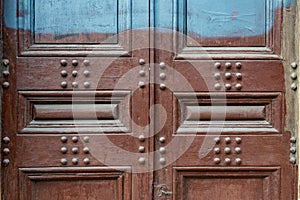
(86, 150)
(142, 73)
(75, 85)
(5, 62)
(227, 140)
(227, 150)
(64, 84)
(64, 73)
(142, 84)
(162, 139)
(63, 139)
(6, 151)
(227, 86)
(217, 86)
(142, 149)
(228, 75)
(217, 140)
(64, 150)
(86, 73)
(5, 73)
(162, 150)
(162, 65)
(228, 65)
(238, 140)
(74, 73)
(238, 161)
(75, 139)
(86, 62)
(238, 65)
(75, 161)
(142, 160)
(163, 76)
(239, 76)
(238, 150)
(294, 65)
(293, 160)
(162, 161)
(142, 138)
(142, 61)
(6, 140)
(217, 160)
(294, 86)
(6, 162)
(227, 161)
(217, 150)
(6, 85)
(75, 150)
(217, 76)
(75, 63)
(86, 139)
(293, 150)
(63, 63)
(162, 86)
(217, 65)
(86, 161)
(238, 86)
(64, 161)
(293, 140)
(294, 76)
(86, 84)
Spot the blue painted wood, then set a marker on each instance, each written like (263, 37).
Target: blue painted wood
(208, 18)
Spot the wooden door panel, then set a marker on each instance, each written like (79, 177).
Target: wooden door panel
(226, 183)
(219, 28)
(47, 28)
(231, 113)
(94, 183)
(53, 112)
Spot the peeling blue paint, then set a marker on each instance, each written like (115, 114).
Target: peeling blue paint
(207, 18)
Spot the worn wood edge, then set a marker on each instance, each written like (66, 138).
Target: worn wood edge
(290, 54)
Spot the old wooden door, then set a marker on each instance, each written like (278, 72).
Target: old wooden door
(98, 105)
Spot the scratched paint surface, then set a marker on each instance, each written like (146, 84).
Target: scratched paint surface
(70, 16)
(219, 18)
(207, 18)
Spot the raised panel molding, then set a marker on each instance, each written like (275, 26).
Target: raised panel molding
(63, 38)
(195, 183)
(46, 112)
(75, 183)
(232, 113)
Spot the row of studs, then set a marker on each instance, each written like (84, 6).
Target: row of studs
(6, 151)
(5, 73)
(228, 151)
(228, 76)
(64, 73)
(75, 150)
